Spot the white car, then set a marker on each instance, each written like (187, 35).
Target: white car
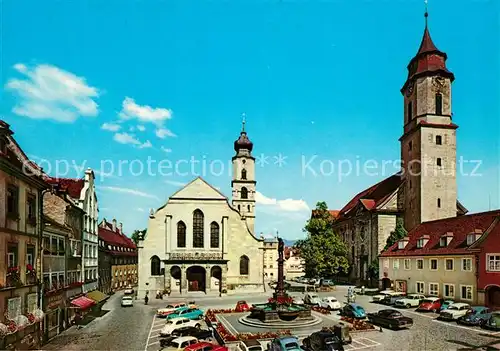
(454, 311)
(127, 301)
(380, 296)
(312, 299)
(176, 323)
(330, 303)
(298, 300)
(411, 300)
(249, 345)
(181, 343)
(129, 291)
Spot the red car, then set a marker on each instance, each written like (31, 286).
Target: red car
(430, 304)
(205, 346)
(242, 306)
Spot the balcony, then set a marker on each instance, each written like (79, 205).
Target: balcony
(13, 278)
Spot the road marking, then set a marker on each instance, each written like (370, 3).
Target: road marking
(153, 343)
(227, 325)
(156, 329)
(150, 331)
(479, 331)
(421, 314)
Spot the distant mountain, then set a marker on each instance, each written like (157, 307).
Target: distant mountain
(289, 242)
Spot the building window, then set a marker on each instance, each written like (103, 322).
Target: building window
(155, 265)
(449, 290)
(438, 162)
(449, 264)
(434, 264)
(466, 292)
(30, 255)
(395, 263)
(181, 234)
(61, 247)
(471, 238)
(31, 208)
(420, 287)
(244, 261)
(14, 307)
(46, 245)
(244, 193)
(248, 208)
(420, 263)
(410, 145)
(439, 140)
(467, 264)
(433, 289)
(61, 281)
(407, 263)
(13, 201)
(214, 235)
(410, 111)
(439, 104)
(198, 228)
(12, 259)
(442, 240)
(420, 243)
(244, 174)
(439, 206)
(493, 263)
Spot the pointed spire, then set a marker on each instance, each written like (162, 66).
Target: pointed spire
(243, 116)
(427, 44)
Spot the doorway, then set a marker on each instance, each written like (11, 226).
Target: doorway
(196, 277)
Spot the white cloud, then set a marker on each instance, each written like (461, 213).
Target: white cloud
(141, 209)
(141, 128)
(127, 191)
(175, 183)
(286, 205)
(145, 145)
(112, 127)
(143, 113)
(126, 138)
(164, 149)
(164, 132)
(48, 92)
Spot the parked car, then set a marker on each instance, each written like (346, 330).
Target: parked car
(127, 301)
(430, 304)
(298, 300)
(412, 300)
(284, 343)
(389, 318)
(170, 308)
(205, 346)
(198, 333)
(312, 299)
(323, 340)
(176, 323)
(382, 294)
(391, 299)
(249, 345)
(242, 306)
(180, 343)
(330, 303)
(129, 291)
(327, 282)
(454, 311)
(446, 304)
(353, 310)
(493, 322)
(477, 315)
(186, 312)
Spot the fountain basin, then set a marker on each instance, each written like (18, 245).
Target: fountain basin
(270, 312)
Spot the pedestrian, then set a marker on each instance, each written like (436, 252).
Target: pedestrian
(146, 299)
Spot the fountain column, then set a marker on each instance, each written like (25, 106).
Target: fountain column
(280, 287)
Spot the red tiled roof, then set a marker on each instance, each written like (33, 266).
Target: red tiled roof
(368, 203)
(107, 234)
(72, 186)
(376, 194)
(459, 226)
(427, 45)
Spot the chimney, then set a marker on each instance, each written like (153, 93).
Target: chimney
(114, 225)
(120, 227)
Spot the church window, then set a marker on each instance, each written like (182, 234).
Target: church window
(244, 174)
(181, 234)
(214, 235)
(244, 193)
(239, 208)
(410, 111)
(155, 265)
(244, 261)
(439, 203)
(439, 140)
(248, 208)
(198, 228)
(438, 161)
(439, 104)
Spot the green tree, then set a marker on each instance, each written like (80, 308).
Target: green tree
(398, 233)
(373, 269)
(136, 234)
(323, 252)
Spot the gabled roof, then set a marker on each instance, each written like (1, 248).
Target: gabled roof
(70, 185)
(107, 234)
(174, 195)
(460, 226)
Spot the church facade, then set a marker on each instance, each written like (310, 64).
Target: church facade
(200, 241)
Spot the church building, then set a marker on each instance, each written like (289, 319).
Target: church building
(201, 241)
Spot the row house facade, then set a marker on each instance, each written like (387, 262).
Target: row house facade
(270, 258)
(22, 189)
(448, 258)
(120, 254)
(294, 264)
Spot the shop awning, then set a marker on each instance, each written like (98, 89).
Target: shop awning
(83, 302)
(97, 296)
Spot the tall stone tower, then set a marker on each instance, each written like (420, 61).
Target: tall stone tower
(428, 144)
(243, 182)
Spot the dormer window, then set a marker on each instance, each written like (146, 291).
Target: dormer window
(473, 237)
(443, 242)
(420, 243)
(402, 243)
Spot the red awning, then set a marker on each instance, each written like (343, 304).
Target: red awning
(83, 302)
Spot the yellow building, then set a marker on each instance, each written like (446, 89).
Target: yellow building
(270, 259)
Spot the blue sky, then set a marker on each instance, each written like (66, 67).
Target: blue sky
(315, 78)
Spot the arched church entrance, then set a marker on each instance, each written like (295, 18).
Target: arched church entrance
(216, 276)
(196, 276)
(493, 296)
(175, 273)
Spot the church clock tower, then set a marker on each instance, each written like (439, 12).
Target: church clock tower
(243, 182)
(428, 144)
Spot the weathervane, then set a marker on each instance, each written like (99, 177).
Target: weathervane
(243, 116)
(426, 12)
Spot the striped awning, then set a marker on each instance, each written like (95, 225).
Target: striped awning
(97, 296)
(83, 302)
